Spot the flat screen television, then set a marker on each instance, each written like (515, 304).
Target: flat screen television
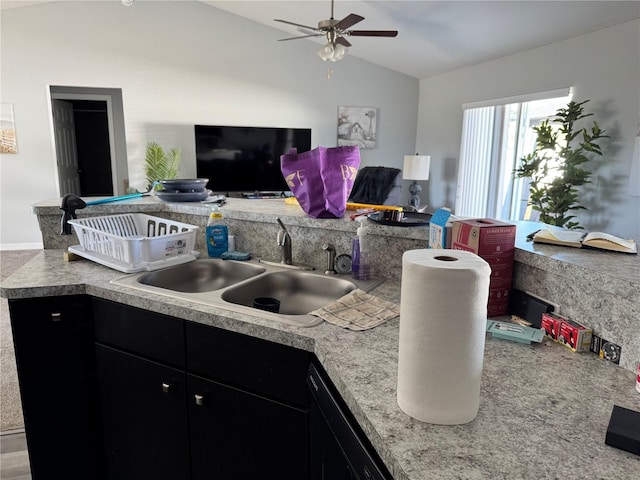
(246, 159)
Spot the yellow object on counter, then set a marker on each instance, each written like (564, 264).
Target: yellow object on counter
(358, 206)
(351, 205)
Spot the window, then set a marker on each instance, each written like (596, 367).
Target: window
(495, 135)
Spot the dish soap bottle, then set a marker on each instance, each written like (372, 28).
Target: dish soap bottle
(360, 252)
(217, 233)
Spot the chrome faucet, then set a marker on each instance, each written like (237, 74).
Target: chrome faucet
(331, 259)
(284, 242)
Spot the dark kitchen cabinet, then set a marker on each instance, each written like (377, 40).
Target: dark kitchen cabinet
(53, 339)
(179, 395)
(239, 435)
(144, 416)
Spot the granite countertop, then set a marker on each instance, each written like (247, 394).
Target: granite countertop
(544, 410)
(613, 271)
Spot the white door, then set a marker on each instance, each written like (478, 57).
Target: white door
(65, 138)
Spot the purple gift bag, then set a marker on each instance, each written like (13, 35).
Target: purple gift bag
(322, 178)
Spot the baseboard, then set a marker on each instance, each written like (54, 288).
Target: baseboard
(21, 246)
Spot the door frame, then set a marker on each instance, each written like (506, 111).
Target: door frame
(115, 119)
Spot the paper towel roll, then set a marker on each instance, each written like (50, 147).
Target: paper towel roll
(443, 313)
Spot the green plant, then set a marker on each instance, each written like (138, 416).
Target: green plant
(161, 165)
(556, 165)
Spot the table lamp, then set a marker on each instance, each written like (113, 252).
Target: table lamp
(416, 167)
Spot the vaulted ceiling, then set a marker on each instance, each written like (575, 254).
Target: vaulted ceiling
(434, 36)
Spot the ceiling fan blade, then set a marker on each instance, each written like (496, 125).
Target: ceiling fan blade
(348, 21)
(295, 24)
(373, 33)
(343, 41)
(303, 36)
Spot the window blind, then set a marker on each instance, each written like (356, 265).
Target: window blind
(475, 162)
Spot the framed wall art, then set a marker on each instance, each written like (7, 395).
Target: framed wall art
(7, 129)
(357, 126)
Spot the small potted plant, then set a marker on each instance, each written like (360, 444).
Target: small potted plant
(161, 165)
(556, 167)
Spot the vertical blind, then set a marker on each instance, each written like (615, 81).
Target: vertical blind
(472, 193)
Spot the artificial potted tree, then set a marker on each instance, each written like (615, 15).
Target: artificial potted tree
(161, 165)
(556, 167)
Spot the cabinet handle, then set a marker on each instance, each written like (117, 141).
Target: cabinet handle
(56, 317)
(199, 400)
(166, 387)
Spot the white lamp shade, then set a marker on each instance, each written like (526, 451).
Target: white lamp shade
(416, 167)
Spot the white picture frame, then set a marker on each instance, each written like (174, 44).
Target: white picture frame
(357, 126)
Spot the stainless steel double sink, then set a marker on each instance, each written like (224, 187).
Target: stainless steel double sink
(233, 285)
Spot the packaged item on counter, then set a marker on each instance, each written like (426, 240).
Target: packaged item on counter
(493, 241)
(638, 379)
(440, 229)
(551, 325)
(574, 336)
(605, 349)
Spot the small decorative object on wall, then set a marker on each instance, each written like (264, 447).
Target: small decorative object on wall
(8, 142)
(357, 126)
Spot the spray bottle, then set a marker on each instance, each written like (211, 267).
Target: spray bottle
(360, 252)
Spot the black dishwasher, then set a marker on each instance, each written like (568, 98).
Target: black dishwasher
(339, 447)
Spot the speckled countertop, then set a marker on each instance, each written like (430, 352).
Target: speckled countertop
(543, 412)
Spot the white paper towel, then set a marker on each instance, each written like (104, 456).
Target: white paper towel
(443, 314)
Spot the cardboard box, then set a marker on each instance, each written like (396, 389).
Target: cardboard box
(440, 229)
(574, 336)
(494, 241)
(551, 325)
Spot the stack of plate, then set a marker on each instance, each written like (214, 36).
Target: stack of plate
(183, 190)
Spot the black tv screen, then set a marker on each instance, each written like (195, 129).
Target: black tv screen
(246, 159)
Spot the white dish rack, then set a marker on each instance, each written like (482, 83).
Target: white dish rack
(134, 242)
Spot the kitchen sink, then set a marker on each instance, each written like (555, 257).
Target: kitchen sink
(298, 292)
(233, 286)
(201, 276)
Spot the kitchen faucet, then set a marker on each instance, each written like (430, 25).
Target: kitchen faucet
(331, 259)
(284, 242)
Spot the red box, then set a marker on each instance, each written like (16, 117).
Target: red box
(551, 325)
(574, 336)
(494, 241)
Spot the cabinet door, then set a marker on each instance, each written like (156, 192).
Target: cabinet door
(144, 417)
(53, 340)
(237, 435)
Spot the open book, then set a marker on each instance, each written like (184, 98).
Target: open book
(572, 238)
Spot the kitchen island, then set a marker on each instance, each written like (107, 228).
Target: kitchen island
(544, 410)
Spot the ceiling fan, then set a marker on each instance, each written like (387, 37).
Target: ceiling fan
(335, 31)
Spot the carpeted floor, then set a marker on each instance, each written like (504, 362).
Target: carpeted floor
(10, 408)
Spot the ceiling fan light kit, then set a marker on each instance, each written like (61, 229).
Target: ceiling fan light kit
(333, 53)
(335, 31)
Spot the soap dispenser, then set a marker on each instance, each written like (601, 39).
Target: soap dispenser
(360, 252)
(217, 233)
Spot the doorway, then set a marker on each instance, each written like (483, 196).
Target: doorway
(90, 146)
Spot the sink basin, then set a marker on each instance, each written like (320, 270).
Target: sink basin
(203, 275)
(299, 292)
(233, 286)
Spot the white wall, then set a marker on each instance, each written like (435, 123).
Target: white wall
(603, 67)
(178, 64)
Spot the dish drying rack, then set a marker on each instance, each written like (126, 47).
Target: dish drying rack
(134, 242)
